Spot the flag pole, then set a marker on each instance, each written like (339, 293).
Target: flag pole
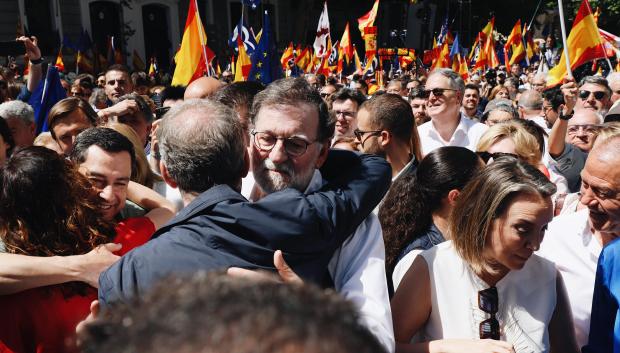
(200, 31)
(563, 26)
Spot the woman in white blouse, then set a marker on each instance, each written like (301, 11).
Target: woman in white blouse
(485, 290)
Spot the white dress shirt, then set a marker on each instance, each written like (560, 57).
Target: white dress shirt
(569, 243)
(358, 270)
(467, 134)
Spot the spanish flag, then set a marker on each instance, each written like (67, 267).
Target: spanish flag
(59, 63)
(345, 44)
(514, 43)
(190, 59)
(583, 45)
(368, 19)
(244, 64)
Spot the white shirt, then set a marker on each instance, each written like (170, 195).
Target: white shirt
(402, 267)
(467, 134)
(526, 300)
(570, 244)
(358, 270)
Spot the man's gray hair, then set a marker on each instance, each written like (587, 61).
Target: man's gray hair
(295, 91)
(530, 100)
(456, 81)
(596, 80)
(97, 96)
(201, 144)
(17, 109)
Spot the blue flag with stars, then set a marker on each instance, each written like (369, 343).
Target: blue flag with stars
(266, 66)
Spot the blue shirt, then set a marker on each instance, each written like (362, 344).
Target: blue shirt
(605, 321)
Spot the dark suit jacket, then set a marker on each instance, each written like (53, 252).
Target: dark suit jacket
(220, 229)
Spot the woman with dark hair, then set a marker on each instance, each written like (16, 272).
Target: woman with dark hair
(6, 141)
(414, 214)
(48, 209)
(486, 290)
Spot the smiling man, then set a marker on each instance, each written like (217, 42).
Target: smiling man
(574, 241)
(345, 103)
(594, 94)
(447, 127)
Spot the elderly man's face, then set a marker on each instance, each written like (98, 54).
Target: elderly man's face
(445, 104)
(615, 90)
(582, 129)
(593, 97)
(600, 190)
(279, 159)
(22, 132)
(117, 84)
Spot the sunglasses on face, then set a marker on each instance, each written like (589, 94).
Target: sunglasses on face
(598, 95)
(486, 156)
(488, 302)
(437, 92)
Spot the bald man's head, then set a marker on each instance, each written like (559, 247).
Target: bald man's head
(202, 88)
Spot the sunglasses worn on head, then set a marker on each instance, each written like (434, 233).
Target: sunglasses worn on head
(159, 112)
(437, 92)
(488, 302)
(598, 95)
(486, 156)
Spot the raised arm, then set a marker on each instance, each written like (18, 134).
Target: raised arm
(558, 131)
(159, 209)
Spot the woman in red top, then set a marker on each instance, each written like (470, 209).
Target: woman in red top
(48, 209)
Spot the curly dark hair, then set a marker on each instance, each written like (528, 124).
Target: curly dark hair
(61, 216)
(407, 210)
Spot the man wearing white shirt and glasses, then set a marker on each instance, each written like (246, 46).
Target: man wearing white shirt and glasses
(447, 127)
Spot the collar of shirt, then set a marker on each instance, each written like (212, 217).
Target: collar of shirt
(461, 129)
(412, 160)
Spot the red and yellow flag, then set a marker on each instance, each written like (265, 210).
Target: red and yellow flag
(345, 44)
(368, 20)
(244, 64)
(443, 58)
(303, 59)
(583, 45)
(286, 56)
(59, 63)
(514, 43)
(358, 62)
(191, 58)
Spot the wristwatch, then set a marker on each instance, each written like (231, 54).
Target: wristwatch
(37, 61)
(565, 117)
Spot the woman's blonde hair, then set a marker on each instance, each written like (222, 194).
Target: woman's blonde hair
(143, 174)
(526, 145)
(608, 130)
(485, 199)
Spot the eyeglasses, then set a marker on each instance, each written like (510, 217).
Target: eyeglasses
(359, 135)
(589, 129)
(488, 302)
(344, 113)
(437, 92)
(323, 94)
(294, 146)
(486, 156)
(598, 95)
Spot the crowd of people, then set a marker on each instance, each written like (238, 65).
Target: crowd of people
(474, 216)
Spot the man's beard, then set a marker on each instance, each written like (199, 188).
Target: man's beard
(373, 147)
(273, 177)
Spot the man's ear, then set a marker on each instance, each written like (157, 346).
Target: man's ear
(166, 176)
(322, 155)
(386, 138)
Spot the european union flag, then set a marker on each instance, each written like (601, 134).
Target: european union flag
(265, 65)
(456, 47)
(49, 92)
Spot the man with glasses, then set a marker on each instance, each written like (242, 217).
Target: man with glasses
(447, 127)
(290, 141)
(344, 105)
(386, 128)
(328, 90)
(574, 242)
(594, 94)
(573, 133)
